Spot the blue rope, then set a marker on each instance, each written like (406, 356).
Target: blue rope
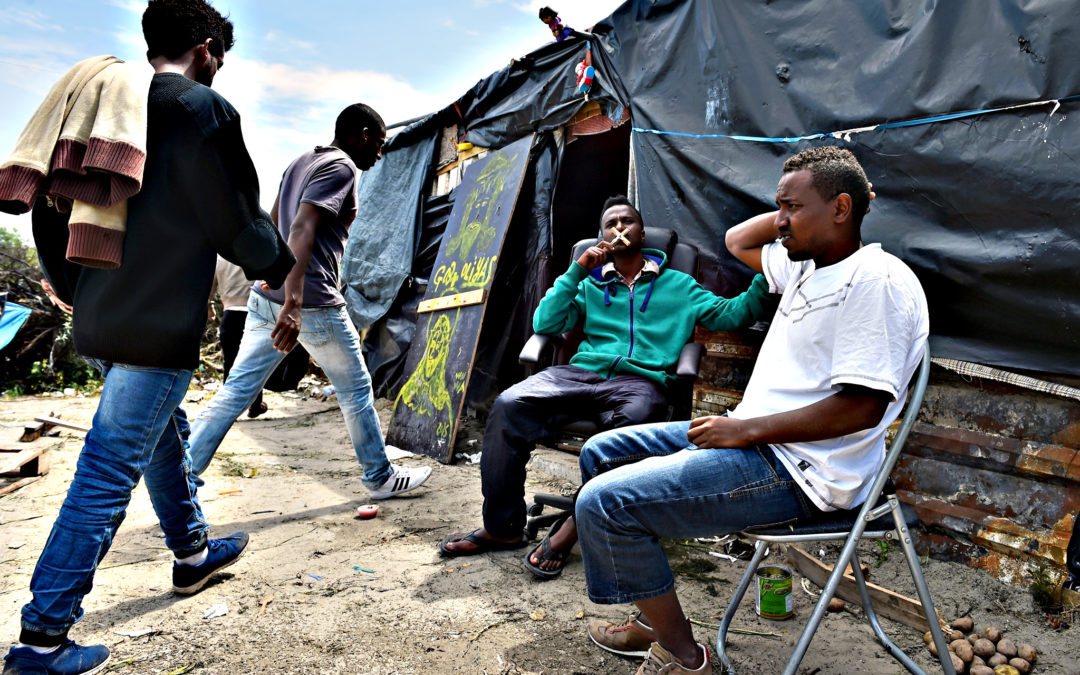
(836, 134)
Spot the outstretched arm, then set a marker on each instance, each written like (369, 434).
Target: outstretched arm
(851, 409)
(746, 239)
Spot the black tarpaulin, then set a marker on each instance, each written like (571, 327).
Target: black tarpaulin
(980, 207)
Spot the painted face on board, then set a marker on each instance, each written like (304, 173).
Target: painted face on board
(804, 222)
(622, 228)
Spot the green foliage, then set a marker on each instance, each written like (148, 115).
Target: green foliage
(1043, 587)
(41, 357)
(882, 553)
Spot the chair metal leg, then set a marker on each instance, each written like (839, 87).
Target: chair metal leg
(875, 624)
(760, 547)
(921, 588)
(846, 555)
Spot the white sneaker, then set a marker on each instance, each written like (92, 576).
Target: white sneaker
(401, 481)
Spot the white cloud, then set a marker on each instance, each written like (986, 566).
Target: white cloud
(287, 110)
(133, 6)
(27, 18)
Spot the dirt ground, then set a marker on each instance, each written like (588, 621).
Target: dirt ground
(320, 591)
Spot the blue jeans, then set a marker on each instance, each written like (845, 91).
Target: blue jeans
(533, 410)
(139, 430)
(329, 336)
(671, 489)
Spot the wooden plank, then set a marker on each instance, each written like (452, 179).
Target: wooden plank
(427, 410)
(57, 422)
(888, 604)
(15, 485)
(451, 301)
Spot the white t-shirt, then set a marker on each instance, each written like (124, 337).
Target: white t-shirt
(860, 321)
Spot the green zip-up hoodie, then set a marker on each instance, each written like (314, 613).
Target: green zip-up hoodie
(641, 331)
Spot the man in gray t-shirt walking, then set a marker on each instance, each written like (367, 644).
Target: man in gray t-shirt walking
(314, 208)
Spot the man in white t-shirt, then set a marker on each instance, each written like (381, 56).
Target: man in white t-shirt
(809, 435)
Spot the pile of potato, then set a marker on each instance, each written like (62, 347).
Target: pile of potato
(986, 653)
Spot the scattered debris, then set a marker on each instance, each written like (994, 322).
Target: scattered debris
(138, 632)
(220, 609)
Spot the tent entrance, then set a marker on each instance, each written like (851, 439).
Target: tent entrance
(593, 167)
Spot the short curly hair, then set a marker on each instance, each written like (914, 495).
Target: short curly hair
(171, 27)
(620, 200)
(834, 170)
(354, 119)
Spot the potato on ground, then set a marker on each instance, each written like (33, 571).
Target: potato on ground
(992, 634)
(996, 660)
(1006, 648)
(963, 649)
(984, 647)
(964, 624)
(981, 670)
(1027, 652)
(1020, 664)
(1006, 670)
(957, 663)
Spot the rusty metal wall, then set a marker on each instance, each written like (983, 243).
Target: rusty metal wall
(992, 470)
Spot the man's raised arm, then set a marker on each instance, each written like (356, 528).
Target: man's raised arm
(746, 239)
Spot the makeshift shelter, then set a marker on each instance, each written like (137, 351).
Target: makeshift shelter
(963, 114)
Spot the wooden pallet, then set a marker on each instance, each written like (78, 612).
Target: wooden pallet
(23, 463)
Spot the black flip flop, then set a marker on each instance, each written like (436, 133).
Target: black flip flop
(547, 554)
(483, 545)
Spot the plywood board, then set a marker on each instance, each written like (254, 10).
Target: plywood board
(427, 410)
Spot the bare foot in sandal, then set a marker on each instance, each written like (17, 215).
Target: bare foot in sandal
(478, 541)
(561, 541)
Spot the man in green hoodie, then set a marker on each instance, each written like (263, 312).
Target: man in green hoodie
(636, 316)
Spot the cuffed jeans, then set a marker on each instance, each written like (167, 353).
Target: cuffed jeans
(671, 489)
(329, 336)
(532, 411)
(139, 430)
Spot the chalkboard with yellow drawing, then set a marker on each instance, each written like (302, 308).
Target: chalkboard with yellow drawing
(428, 407)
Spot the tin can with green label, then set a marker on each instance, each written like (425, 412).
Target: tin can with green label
(774, 593)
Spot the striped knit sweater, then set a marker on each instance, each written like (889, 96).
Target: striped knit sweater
(86, 144)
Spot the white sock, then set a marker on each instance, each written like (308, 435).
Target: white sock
(197, 559)
(43, 650)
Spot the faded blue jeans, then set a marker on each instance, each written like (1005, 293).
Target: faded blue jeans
(139, 430)
(329, 336)
(650, 481)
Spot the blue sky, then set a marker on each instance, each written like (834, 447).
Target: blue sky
(295, 64)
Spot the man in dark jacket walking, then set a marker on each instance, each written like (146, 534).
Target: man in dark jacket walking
(142, 323)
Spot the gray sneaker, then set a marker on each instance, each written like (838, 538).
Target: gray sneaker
(401, 480)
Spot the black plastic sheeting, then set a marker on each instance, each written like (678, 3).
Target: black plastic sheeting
(982, 208)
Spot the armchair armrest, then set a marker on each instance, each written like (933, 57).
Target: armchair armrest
(539, 349)
(689, 361)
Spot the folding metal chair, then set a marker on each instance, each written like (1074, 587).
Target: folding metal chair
(872, 521)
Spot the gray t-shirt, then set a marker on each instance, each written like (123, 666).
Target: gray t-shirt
(325, 177)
